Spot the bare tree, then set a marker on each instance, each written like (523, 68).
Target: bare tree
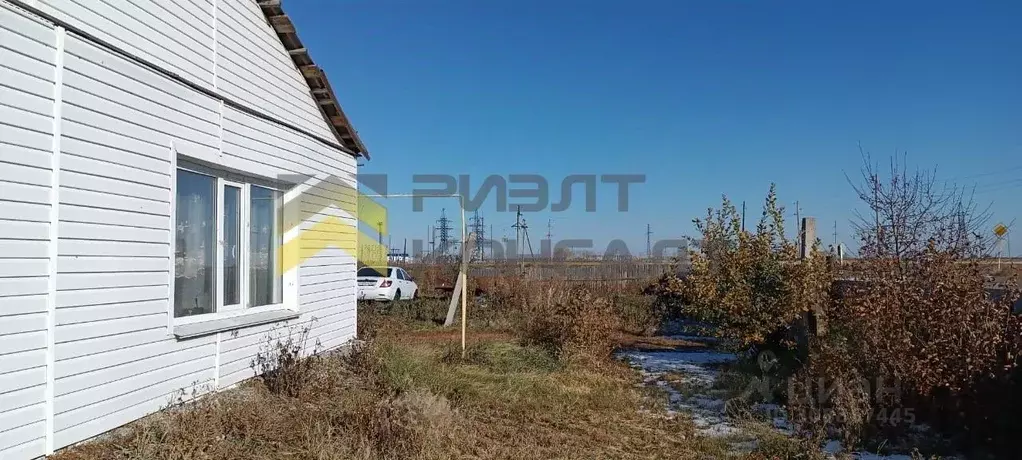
(906, 212)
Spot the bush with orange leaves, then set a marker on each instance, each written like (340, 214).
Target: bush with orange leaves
(918, 315)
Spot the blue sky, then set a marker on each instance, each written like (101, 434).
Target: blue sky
(703, 98)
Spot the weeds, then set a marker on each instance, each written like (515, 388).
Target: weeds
(569, 321)
(285, 363)
(777, 447)
(402, 391)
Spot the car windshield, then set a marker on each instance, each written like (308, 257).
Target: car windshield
(370, 271)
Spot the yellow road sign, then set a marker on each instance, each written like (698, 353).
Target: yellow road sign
(1000, 230)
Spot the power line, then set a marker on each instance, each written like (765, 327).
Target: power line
(986, 174)
(998, 186)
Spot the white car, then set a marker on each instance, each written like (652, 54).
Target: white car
(391, 283)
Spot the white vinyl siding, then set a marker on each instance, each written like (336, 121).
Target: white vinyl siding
(174, 34)
(251, 144)
(245, 42)
(115, 358)
(27, 57)
(220, 54)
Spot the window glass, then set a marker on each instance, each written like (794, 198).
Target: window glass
(265, 240)
(400, 274)
(195, 242)
(232, 245)
(370, 271)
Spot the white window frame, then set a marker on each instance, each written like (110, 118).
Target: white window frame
(279, 232)
(288, 284)
(243, 236)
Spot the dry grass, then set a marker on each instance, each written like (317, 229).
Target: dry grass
(408, 393)
(341, 415)
(525, 389)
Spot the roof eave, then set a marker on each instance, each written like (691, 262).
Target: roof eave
(319, 85)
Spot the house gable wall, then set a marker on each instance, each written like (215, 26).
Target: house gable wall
(27, 68)
(222, 45)
(85, 309)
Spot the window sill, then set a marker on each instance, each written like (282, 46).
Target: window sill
(212, 326)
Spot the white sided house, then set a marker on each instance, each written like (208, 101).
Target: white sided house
(146, 150)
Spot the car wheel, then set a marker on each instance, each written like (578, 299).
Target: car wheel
(415, 294)
(397, 294)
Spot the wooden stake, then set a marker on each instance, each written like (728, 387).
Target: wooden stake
(464, 311)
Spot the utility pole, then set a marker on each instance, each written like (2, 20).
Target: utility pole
(743, 216)
(521, 230)
(649, 247)
(507, 242)
(519, 225)
(798, 227)
(835, 235)
(550, 236)
(518, 238)
(798, 218)
(432, 242)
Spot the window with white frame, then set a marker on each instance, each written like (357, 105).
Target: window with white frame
(228, 242)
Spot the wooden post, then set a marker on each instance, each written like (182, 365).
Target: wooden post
(461, 287)
(464, 307)
(452, 308)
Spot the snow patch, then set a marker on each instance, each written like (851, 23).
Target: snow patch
(834, 447)
(695, 369)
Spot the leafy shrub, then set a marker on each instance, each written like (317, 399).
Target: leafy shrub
(926, 326)
(751, 285)
(919, 317)
(929, 321)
